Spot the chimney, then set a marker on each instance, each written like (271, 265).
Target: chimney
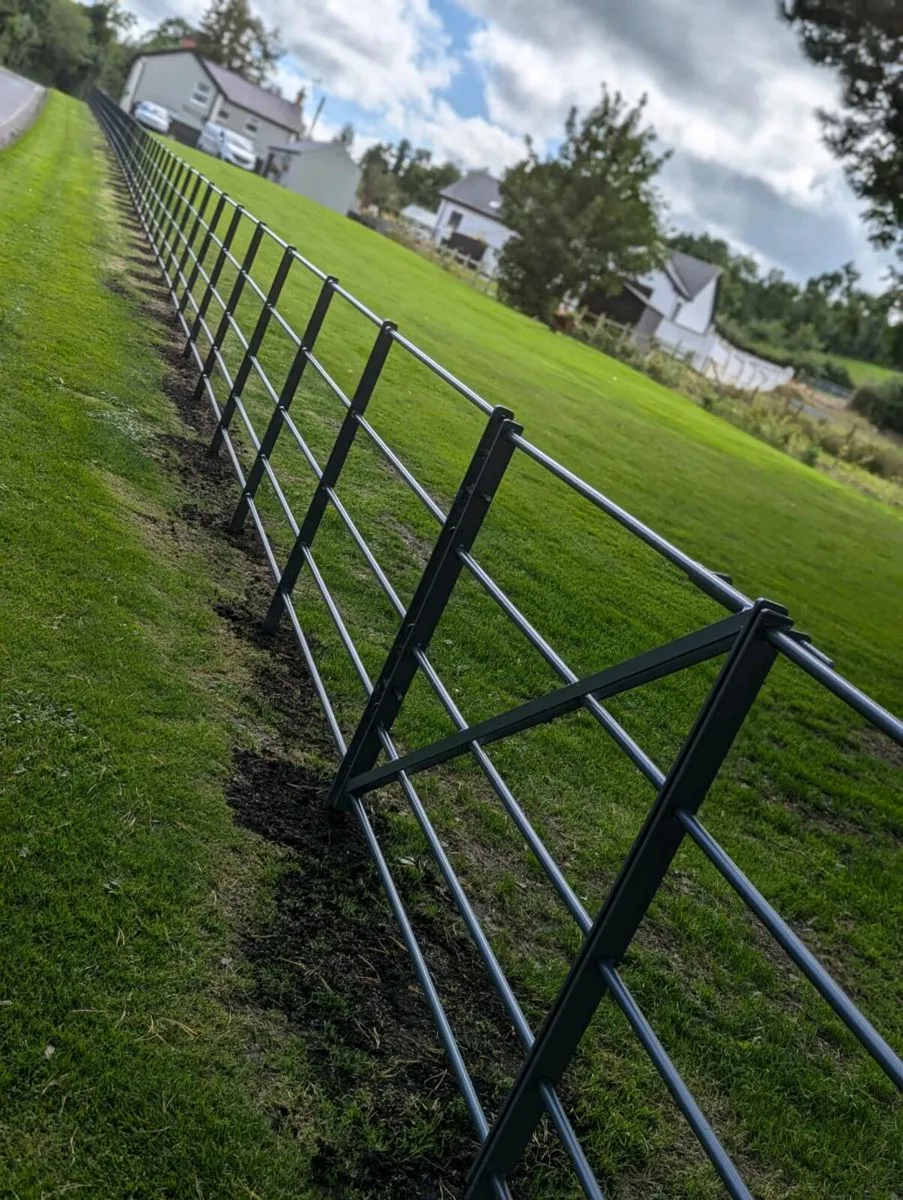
(299, 99)
(188, 43)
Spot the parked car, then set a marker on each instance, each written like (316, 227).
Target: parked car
(229, 146)
(153, 116)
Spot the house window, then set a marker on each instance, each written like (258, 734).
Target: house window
(223, 114)
(200, 96)
(251, 126)
(455, 220)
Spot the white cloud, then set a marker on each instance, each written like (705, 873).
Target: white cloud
(384, 55)
(764, 125)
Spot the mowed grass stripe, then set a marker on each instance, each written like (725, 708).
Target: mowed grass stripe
(123, 1065)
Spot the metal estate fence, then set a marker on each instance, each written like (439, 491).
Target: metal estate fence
(192, 226)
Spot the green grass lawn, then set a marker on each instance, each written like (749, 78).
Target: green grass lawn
(863, 372)
(809, 804)
(137, 1057)
(124, 1068)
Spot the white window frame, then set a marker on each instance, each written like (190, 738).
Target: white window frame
(200, 94)
(252, 126)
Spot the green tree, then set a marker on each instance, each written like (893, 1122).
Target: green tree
(66, 45)
(863, 41)
(378, 187)
(421, 180)
(232, 36)
(588, 216)
(169, 34)
(345, 136)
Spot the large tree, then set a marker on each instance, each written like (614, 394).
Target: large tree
(863, 41)
(232, 36)
(66, 45)
(587, 216)
(169, 34)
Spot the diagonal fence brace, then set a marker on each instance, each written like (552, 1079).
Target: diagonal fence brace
(683, 652)
(692, 774)
(468, 511)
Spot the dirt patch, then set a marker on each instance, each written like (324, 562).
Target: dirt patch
(333, 962)
(881, 746)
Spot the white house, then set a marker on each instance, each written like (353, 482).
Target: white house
(321, 171)
(468, 219)
(675, 305)
(195, 90)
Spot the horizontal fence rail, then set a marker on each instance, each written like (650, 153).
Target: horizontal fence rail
(192, 228)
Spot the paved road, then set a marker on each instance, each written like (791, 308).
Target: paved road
(20, 100)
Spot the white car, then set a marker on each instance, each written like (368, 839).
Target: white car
(230, 147)
(152, 116)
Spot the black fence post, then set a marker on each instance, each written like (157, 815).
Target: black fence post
(234, 296)
(172, 205)
(254, 343)
(286, 396)
(166, 175)
(332, 470)
(468, 511)
(726, 707)
(202, 253)
(179, 222)
(190, 238)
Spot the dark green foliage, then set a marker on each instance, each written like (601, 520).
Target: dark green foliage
(168, 34)
(395, 176)
(585, 217)
(863, 40)
(836, 372)
(882, 403)
(232, 36)
(61, 44)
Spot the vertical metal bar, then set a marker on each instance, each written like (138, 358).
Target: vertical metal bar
(647, 863)
(189, 240)
(337, 456)
(166, 172)
(187, 208)
(471, 504)
(201, 254)
(286, 396)
(254, 344)
(237, 289)
(173, 205)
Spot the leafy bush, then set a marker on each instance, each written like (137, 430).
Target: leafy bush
(836, 372)
(881, 403)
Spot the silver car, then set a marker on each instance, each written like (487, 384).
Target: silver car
(153, 116)
(231, 147)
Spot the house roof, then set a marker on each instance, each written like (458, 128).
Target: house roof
(477, 190)
(249, 96)
(692, 273)
(253, 98)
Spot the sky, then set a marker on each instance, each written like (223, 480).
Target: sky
(729, 92)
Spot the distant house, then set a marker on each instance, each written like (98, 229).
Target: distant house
(468, 219)
(195, 90)
(675, 305)
(683, 293)
(321, 171)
